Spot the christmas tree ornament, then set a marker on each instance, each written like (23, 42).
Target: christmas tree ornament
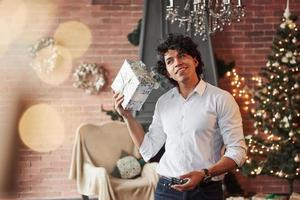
(287, 12)
(275, 91)
(277, 115)
(287, 125)
(284, 59)
(293, 61)
(259, 113)
(294, 40)
(258, 170)
(292, 25)
(265, 115)
(296, 85)
(297, 158)
(289, 54)
(276, 64)
(291, 133)
(295, 124)
(285, 119)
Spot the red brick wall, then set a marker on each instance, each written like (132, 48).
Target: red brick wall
(44, 175)
(248, 43)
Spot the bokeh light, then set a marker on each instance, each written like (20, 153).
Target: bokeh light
(41, 128)
(63, 65)
(42, 17)
(75, 36)
(13, 18)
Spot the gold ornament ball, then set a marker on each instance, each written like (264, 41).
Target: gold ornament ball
(292, 25)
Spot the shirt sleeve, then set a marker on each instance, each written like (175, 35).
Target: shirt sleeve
(231, 128)
(154, 138)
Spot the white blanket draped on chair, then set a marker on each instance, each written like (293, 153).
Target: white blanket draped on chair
(95, 153)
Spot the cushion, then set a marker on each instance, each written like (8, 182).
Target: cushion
(128, 166)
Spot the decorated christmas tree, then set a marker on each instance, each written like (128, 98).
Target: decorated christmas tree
(274, 148)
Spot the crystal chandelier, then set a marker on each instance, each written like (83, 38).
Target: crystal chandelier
(206, 16)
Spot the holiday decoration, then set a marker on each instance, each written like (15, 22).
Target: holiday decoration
(239, 90)
(114, 115)
(90, 77)
(47, 64)
(274, 148)
(134, 36)
(223, 67)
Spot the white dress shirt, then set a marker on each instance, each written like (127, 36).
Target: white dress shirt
(194, 130)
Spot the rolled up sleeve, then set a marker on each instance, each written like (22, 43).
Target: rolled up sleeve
(154, 138)
(231, 128)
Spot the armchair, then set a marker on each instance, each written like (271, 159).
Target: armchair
(95, 154)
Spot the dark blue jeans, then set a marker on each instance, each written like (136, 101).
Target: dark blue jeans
(204, 191)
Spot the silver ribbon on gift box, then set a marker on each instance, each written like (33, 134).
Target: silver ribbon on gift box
(135, 82)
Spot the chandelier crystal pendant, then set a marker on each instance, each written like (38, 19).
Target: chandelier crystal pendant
(206, 16)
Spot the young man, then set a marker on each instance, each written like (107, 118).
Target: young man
(194, 120)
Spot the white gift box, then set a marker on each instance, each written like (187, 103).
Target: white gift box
(135, 82)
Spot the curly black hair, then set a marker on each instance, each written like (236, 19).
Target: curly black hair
(183, 44)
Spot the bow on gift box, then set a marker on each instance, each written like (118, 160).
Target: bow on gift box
(142, 72)
(145, 74)
(135, 82)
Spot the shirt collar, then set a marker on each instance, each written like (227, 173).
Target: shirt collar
(200, 88)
